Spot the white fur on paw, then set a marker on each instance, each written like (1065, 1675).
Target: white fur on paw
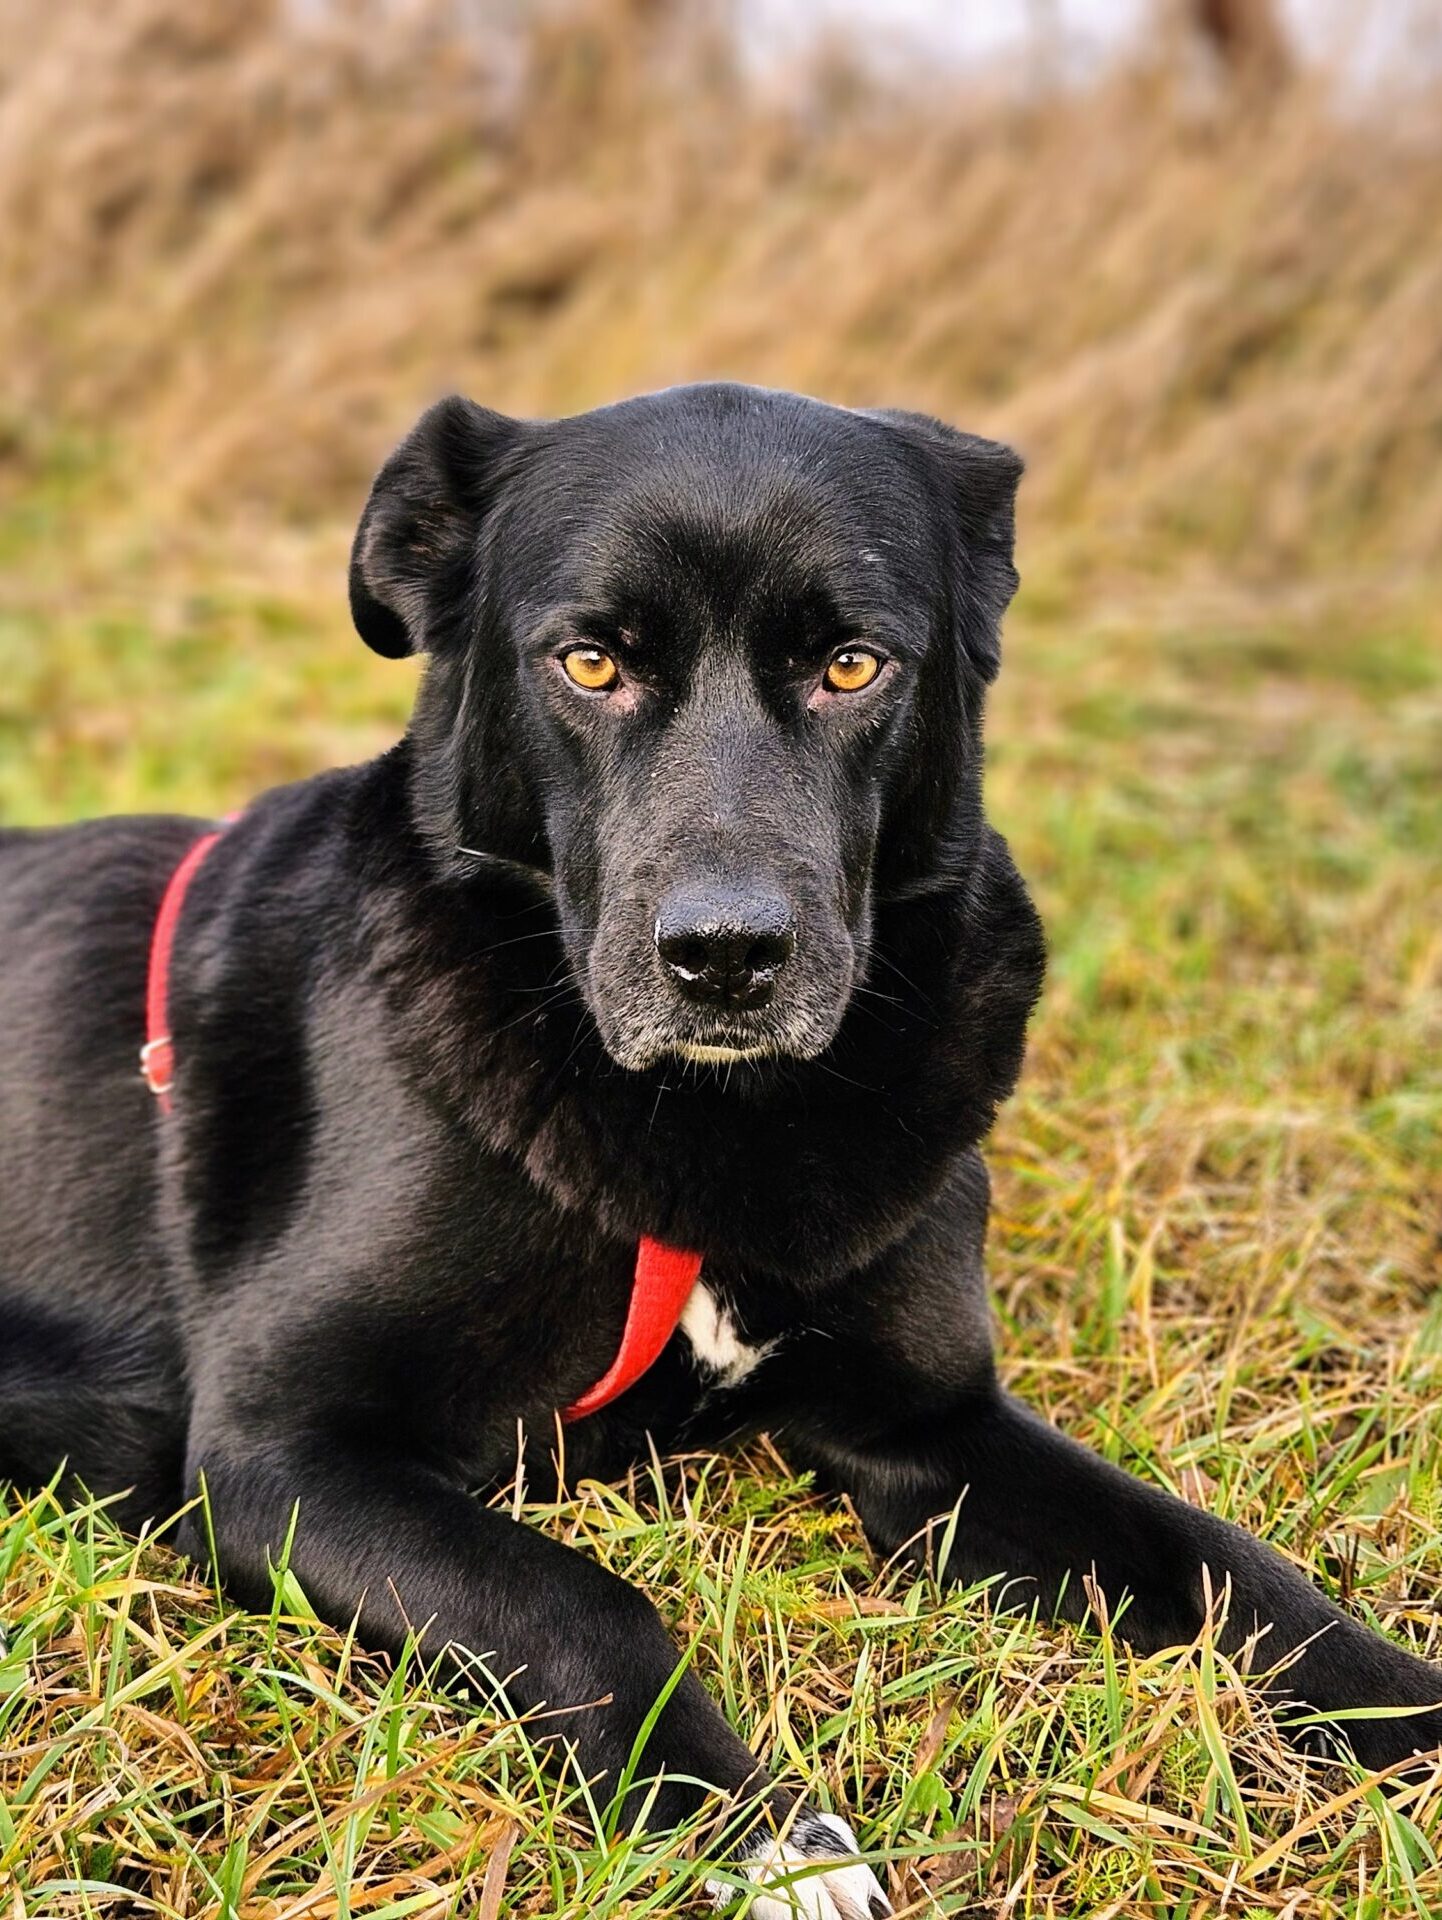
(846, 1891)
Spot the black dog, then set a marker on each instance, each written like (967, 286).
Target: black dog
(675, 916)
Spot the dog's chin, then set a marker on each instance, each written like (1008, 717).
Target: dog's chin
(641, 1039)
(703, 1053)
(641, 1049)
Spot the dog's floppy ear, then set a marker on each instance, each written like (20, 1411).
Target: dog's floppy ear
(412, 560)
(979, 481)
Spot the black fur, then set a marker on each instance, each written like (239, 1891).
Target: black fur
(428, 1091)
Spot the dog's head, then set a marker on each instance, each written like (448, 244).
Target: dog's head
(712, 662)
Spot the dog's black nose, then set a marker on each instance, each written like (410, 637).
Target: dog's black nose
(725, 946)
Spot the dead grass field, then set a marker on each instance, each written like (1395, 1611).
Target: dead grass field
(239, 248)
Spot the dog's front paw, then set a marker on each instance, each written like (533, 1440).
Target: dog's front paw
(800, 1886)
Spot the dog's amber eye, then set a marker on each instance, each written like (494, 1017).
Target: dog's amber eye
(591, 668)
(851, 670)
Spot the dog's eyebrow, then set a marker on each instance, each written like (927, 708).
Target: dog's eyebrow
(578, 620)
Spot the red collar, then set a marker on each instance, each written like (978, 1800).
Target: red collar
(664, 1275)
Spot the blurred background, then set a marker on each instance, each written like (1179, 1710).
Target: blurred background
(1187, 254)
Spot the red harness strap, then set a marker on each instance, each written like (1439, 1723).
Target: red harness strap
(157, 1056)
(664, 1279)
(664, 1275)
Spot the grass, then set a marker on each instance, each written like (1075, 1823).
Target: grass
(1214, 1253)
(242, 244)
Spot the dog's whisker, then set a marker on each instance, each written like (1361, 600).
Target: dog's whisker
(905, 978)
(862, 991)
(583, 1034)
(564, 992)
(518, 869)
(845, 1078)
(520, 939)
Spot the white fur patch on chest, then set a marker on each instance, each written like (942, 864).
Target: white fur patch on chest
(714, 1339)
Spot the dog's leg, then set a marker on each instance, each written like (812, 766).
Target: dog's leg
(104, 1406)
(897, 1404)
(405, 1548)
(1046, 1514)
(410, 1550)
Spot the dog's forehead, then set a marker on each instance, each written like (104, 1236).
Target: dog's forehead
(743, 498)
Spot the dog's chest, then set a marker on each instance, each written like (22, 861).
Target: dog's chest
(716, 1340)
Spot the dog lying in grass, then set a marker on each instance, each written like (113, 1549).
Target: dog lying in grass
(610, 1057)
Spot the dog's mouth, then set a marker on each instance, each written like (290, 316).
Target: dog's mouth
(724, 1056)
(747, 1041)
(715, 1054)
(737, 1042)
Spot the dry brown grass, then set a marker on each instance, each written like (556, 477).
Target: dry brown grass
(242, 242)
